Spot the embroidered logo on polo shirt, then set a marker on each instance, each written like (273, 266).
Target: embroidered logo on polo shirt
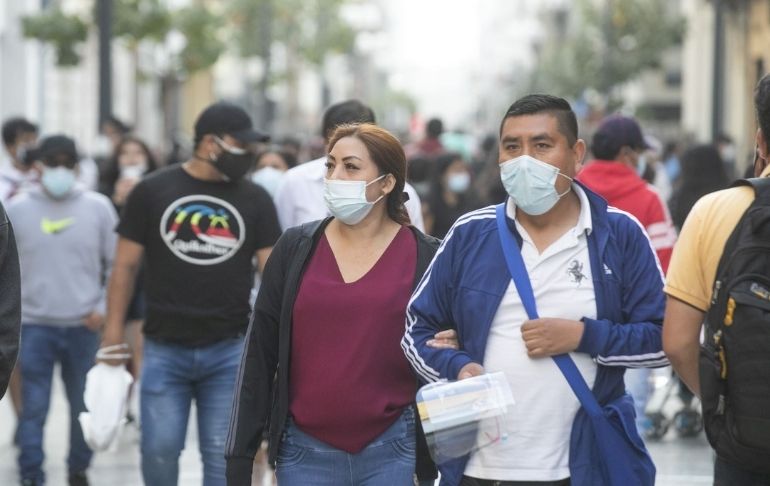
(203, 230)
(575, 272)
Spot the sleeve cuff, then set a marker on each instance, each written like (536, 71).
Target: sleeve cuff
(595, 334)
(456, 364)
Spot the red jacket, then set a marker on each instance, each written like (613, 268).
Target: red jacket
(620, 185)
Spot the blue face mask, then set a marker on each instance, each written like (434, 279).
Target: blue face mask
(347, 201)
(459, 182)
(58, 181)
(531, 184)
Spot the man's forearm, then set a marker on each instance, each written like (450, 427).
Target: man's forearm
(685, 363)
(119, 293)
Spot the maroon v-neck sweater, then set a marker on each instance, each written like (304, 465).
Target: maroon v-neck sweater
(349, 379)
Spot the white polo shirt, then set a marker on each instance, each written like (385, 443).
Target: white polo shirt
(539, 425)
(300, 199)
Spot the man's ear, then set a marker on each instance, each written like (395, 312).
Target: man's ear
(580, 152)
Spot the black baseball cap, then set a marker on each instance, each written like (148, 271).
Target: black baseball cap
(53, 147)
(616, 132)
(224, 118)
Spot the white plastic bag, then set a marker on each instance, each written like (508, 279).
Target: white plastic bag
(105, 397)
(463, 416)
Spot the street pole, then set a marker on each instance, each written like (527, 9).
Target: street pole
(104, 21)
(266, 113)
(717, 95)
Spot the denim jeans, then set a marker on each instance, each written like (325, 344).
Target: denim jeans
(726, 474)
(638, 386)
(172, 377)
(387, 461)
(42, 346)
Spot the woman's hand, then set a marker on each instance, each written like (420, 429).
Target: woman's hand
(444, 340)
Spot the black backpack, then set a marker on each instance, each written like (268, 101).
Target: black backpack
(735, 356)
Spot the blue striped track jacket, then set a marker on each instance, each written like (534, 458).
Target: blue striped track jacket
(468, 277)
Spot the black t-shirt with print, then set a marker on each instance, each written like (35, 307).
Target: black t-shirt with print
(199, 239)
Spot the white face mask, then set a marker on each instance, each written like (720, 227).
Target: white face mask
(269, 178)
(531, 184)
(346, 200)
(133, 171)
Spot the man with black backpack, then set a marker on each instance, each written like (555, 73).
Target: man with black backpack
(719, 276)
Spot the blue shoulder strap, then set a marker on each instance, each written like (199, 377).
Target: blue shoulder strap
(524, 287)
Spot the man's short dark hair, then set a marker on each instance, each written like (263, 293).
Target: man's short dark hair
(13, 128)
(343, 113)
(762, 105)
(435, 128)
(543, 103)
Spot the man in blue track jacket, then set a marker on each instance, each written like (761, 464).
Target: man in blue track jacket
(597, 284)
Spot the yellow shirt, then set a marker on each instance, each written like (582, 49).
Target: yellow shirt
(693, 266)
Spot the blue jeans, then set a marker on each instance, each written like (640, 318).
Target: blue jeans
(172, 377)
(387, 461)
(726, 474)
(42, 346)
(638, 386)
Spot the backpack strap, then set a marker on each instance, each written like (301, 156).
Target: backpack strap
(761, 186)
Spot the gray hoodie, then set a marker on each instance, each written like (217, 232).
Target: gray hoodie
(66, 247)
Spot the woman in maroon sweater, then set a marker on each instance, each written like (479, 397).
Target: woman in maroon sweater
(324, 340)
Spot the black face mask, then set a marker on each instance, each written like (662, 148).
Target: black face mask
(233, 163)
(233, 166)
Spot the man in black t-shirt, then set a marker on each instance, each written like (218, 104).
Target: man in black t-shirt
(198, 226)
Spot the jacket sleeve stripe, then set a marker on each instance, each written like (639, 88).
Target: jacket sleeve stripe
(657, 363)
(648, 360)
(407, 343)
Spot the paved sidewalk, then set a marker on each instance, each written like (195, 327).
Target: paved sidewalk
(680, 462)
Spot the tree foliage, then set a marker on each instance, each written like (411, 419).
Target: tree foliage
(606, 48)
(314, 26)
(139, 20)
(201, 28)
(64, 32)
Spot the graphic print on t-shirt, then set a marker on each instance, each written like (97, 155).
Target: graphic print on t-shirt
(201, 229)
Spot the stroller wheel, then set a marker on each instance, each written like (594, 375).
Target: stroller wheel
(658, 426)
(688, 423)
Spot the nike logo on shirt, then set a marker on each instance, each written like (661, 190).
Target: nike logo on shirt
(51, 227)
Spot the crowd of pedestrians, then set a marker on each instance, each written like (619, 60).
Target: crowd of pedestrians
(300, 304)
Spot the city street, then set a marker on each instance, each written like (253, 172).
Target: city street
(680, 462)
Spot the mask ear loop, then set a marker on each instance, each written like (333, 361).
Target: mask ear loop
(569, 188)
(372, 182)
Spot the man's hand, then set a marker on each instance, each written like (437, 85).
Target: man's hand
(444, 340)
(470, 370)
(549, 336)
(94, 321)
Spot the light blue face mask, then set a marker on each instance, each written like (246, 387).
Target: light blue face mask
(347, 201)
(58, 181)
(459, 182)
(531, 184)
